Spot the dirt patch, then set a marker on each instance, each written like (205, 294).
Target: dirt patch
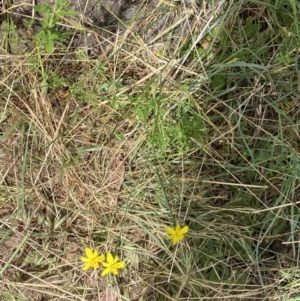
(94, 22)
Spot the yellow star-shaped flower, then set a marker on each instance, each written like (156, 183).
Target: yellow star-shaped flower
(92, 259)
(176, 234)
(112, 265)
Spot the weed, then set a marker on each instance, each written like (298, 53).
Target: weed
(49, 34)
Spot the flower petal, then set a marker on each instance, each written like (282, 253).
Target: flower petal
(106, 264)
(116, 259)
(169, 230)
(175, 240)
(105, 272)
(89, 253)
(101, 258)
(120, 264)
(184, 230)
(95, 264)
(177, 228)
(86, 267)
(109, 258)
(95, 253)
(114, 269)
(84, 259)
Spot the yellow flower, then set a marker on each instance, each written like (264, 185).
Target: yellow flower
(112, 265)
(176, 234)
(92, 259)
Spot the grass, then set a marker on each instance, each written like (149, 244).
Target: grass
(190, 118)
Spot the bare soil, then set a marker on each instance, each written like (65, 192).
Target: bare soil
(103, 18)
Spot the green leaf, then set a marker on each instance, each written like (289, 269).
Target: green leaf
(66, 13)
(49, 42)
(241, 64)
(218, 81)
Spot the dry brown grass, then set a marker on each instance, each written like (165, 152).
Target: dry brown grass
(85, 160)
(65, 153)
